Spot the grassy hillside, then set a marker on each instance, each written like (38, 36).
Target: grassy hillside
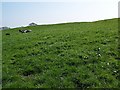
(71, 55)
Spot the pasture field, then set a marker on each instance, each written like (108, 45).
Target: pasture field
(69, 55)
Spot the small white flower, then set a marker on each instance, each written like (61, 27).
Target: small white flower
(107, 63)
(115, 71)
(99, 55)
(98, 48)
(61, 78)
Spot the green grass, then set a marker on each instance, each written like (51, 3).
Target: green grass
(0, 60)
(62, 56)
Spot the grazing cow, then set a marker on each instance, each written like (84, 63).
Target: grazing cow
(25, 31)
(7, 33)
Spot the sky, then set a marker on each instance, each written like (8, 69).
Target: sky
(16, 13)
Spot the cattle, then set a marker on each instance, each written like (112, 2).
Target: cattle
(25, 31)
(7, 33)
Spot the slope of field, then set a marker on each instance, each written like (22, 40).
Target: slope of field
(71, 55)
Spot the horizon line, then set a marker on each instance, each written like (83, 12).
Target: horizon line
(59, 23)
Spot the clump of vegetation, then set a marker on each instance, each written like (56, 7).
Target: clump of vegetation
(72, 55)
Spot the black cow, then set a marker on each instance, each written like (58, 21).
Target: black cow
(25, 31)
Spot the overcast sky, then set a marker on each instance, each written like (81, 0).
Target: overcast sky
(17, 13)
